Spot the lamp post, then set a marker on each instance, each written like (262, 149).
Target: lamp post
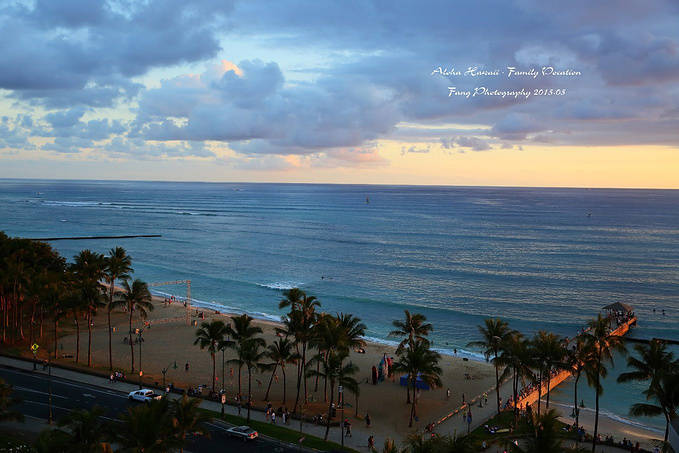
(340, 389)
(50, 417)
(140, 338)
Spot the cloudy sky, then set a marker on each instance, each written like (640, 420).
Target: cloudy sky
(341, 91)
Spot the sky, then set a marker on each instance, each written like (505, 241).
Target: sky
(365, 91)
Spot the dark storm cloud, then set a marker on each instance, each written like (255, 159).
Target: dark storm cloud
(77, 54)
(66, 47)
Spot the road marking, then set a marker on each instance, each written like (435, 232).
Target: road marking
(25, 389)
(81, 386)
(64, 409)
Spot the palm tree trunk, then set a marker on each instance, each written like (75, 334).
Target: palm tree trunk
(249, 392)
(300, 374)
(576, 409)
(77, 338)
(412, 407)
(283, 369)
(212, 354)
(318, 369)
(497, 386)
(549, 381)
(596, 414)
(131, 341)
(332, 400)
(108, 315)
(539, 392)
(408, 390)
(240, 394)
(268, 388)
(89, 338)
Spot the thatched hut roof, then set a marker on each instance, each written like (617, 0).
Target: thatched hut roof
(619, 306)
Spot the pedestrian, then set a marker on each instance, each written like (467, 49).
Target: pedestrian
(111, 378)
(463, 401)
(285, 418)
(448, 393)
(348, 425)
(367, 420)
(186, 367)
(371, 443)
(273, 417)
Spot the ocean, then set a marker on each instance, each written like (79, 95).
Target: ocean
(541, 258)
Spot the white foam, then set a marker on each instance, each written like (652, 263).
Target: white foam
(614, 417)
(280, 286)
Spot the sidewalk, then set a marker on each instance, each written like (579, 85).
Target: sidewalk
(359, 441)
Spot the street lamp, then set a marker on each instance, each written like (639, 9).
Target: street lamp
(340, 389)
(140, 338)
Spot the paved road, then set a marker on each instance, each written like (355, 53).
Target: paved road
(68, 395)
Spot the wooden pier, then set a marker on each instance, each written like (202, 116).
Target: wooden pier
(557, 379)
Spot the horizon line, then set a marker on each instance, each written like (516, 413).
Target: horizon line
(498, 186)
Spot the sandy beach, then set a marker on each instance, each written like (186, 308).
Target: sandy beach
(169, 340)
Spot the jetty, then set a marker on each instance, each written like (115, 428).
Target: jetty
(615, 311)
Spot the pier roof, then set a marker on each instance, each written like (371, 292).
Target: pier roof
(619, 306)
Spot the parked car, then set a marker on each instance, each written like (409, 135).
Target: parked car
(243, 432)
(143, 395)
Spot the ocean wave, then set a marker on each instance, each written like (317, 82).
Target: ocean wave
(76, 204)
(614, 417)
(280, 286)
(443, 351)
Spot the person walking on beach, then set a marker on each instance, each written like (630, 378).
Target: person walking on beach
(367, 420)
(448, 393)
(186, 367)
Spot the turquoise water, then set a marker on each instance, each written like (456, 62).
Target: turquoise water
(540, 258)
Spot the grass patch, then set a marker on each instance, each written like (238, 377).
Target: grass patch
(282, 433)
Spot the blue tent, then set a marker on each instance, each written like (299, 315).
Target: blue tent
(418, 382)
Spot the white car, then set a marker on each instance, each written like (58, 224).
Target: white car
(243, 432)
(143, 395)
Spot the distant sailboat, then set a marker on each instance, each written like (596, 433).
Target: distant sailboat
(367, 200)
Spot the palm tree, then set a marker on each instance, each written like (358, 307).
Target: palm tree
(516, 357)
(658, 366)
(118, 267)
(545, 434)
(337, 373)
(494, 333)
(240, 331)
(576, 360)
(603, 344)
(7, 400)
(85, 430)
(136, 298)
(413, 328)
(88, 268)
(280, 352)
(145, 429)
(547, 351)
(251, 355)
(421, 364)
(210, 335)
(303, 308)
(186, 417)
